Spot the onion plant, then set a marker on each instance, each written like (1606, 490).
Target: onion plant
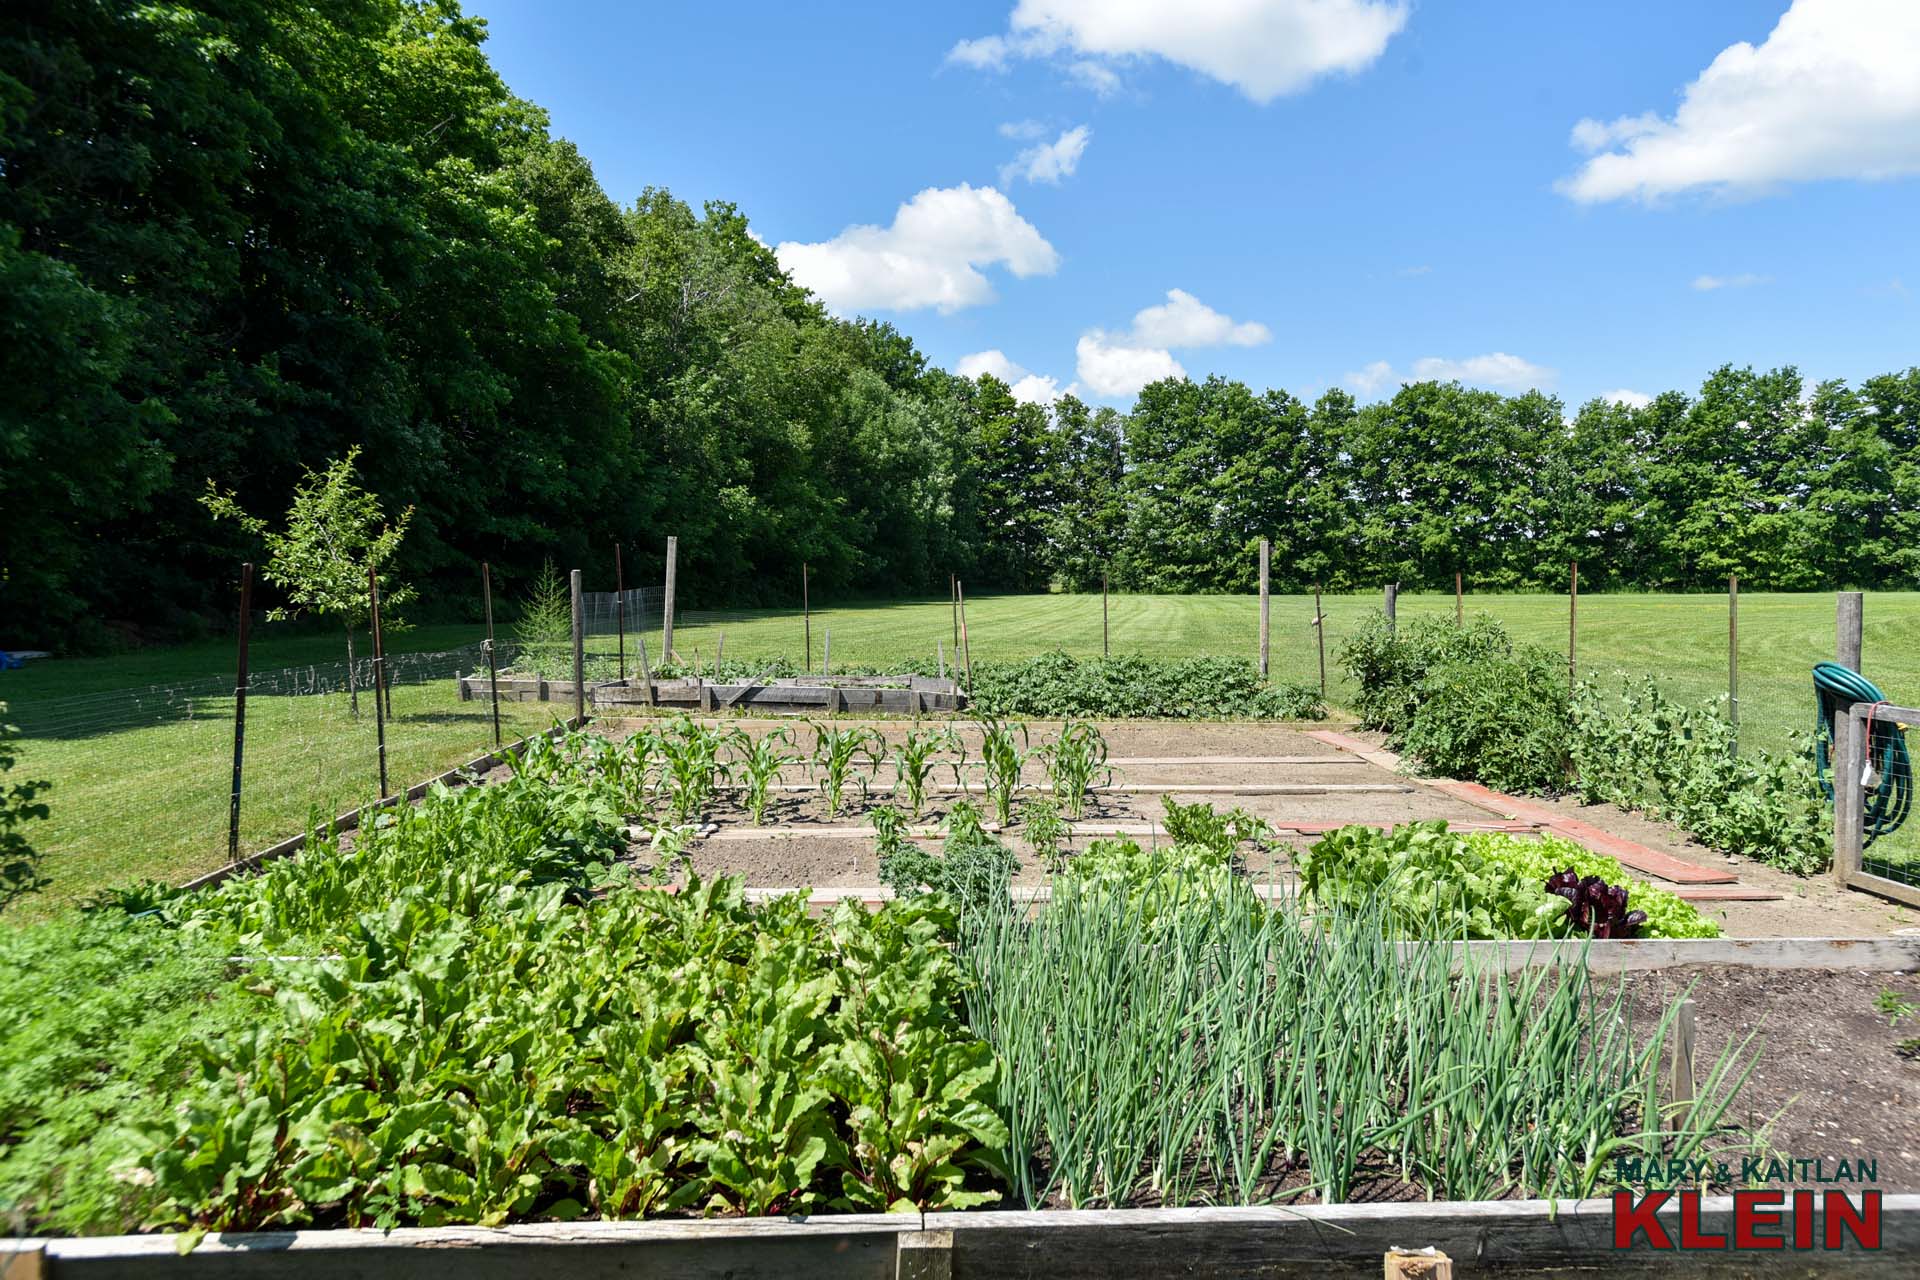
(1226, 1052)
(1074, 759)
(834, 754)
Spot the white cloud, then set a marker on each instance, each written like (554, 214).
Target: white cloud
(930, 257)
(1097, 76)
(1028, 388)
(1372, 378)
(1185, 321)
(1111, 366)
(1048, 161)
(1023, 130)
(1746, 279)
(1119, 364)
(1496, 369)
(1631, 399)
(1831, 93)
(1264, 48)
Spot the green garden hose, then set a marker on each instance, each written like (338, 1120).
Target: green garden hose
(1889, 768)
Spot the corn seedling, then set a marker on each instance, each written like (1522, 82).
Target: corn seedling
(1074, 760)
(760, 764)
(690, 755)
(1003, 754)
(914, 762)
(834, 753)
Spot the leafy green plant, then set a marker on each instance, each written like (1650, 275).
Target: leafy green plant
(1389, 664)
(1641, 750)
(1135, 686)
(1003, 757)
(915, 758)
(1045, 829)
(835, 752)
(1074, 758)
(1221, 834)
(760, 763)
(1422, 878)
(20, 872)
(972, 870)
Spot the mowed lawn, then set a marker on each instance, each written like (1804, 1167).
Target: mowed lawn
(151, 801)
(1680, 639)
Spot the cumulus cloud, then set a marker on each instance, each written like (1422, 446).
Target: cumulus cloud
(1028, 387)
(1119, 364)
(1631, 399)
(1048, 161)
(1185, 321)
(930, 256)
(1495, 369)
(1264, 48)
(1110, 365)
(1746, 279)
(1830, 93)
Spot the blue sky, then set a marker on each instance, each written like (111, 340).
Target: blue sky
(1343, 192)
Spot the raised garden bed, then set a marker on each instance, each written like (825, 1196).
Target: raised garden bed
(883, 695)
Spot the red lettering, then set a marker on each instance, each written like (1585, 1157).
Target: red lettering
(1629, 1220)
(1752, 1209)
(1862, 1224)
(1803, 1219)
(1691, 1236)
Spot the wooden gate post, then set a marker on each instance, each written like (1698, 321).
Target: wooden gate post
(1848, 620)
(666, 605)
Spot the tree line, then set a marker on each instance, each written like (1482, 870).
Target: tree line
(240, 238)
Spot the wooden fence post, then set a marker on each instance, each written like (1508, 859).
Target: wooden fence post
(1106, 629)
(240, 711)
(1391, 602)
(1733, 659)
(966, 646)
(666, 604)
(1266, 551)
(1459, 600)
(1848, 621)
(379, 674)
(1849, 797)
(646, 669)
(493, 666)
(579, 650)
(806, 616)
(826, 654)
(619, 610)
(1320, 635)
(1573, 614)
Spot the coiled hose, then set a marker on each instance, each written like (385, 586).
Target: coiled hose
(1889, 768)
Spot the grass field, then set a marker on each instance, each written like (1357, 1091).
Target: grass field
(133, 802)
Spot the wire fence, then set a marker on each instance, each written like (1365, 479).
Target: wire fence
(143, 775)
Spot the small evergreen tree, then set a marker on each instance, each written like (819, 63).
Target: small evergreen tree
(544, 631)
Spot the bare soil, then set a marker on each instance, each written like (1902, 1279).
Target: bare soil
(1831, 1082)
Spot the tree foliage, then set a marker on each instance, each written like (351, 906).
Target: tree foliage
(239, 238)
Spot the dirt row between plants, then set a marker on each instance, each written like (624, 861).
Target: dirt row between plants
(1328, 787)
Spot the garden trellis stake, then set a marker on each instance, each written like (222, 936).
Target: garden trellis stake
(579, 643)
(1266, 552)
(620, 608)
(666, 605)
(240, 711)
(1733, 661)
(493, 665)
